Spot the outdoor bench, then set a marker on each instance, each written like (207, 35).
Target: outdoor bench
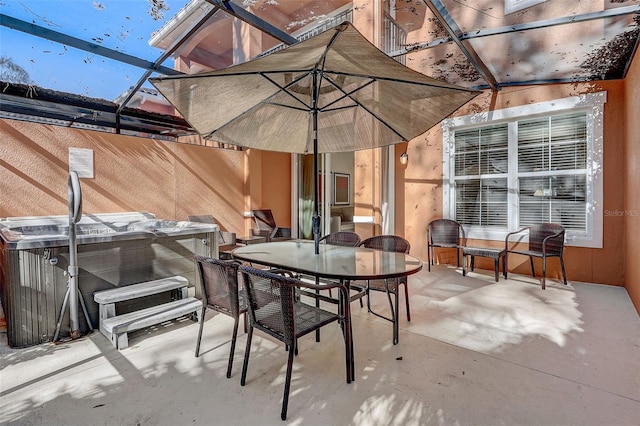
(115, 327)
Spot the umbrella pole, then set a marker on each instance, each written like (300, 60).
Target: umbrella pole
(316, 215)
(75, 212)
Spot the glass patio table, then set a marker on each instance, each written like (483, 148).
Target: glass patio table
(338, 263)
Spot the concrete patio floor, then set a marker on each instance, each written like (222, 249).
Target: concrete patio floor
(476, 352)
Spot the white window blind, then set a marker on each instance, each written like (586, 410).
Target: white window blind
(552, 171)
(481, 157)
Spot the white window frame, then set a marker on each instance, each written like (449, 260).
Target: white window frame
(511, 6)
(593, 105)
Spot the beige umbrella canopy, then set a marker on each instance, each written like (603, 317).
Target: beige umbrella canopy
(335, 92)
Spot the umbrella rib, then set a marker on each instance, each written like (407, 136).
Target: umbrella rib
(238, 117)
(284, 89)
(399, 80)
(348, 95)
(285, 106)
(266, 101)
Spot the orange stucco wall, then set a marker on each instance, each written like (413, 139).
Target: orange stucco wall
(419, 184)
(130, 174)
(631, 180)
(275, 182)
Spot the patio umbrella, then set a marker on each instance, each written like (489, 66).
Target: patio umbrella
(335, 92)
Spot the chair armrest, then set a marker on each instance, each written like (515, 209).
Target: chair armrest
(284, 272)
(547, 238)
(325, 285)
(506, 239)
(463, 238)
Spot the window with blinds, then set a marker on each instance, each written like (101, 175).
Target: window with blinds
(540, 162)
(545, 162)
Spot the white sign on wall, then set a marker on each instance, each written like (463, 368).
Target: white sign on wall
(81, 162)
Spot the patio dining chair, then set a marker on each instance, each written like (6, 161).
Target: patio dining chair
(345, 239)
(221, 293)
(275, 310)
(545, 240)
(400, 245)
(444, 233)
(341, 238)
(267, 228)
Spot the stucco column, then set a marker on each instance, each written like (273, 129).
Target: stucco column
(368, 19)
(247, 41)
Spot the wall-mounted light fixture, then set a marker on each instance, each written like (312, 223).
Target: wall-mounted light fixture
(404, 158)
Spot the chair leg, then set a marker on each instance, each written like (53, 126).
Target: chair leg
(233, 347)
(564, 274)
(429, 254)
(204, 309)
(247, 350)
(368, 298)
(458, 256)
(496, 267)
(544, 271)
(396, 314)
(464, 264)
(406, 298)
(533, 269)
(317, 306)
(504, 266)
(287, 383)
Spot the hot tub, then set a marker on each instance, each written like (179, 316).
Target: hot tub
(113, 250)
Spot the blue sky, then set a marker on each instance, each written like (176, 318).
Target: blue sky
(123, 25)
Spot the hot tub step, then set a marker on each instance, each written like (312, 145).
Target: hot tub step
(146, 288)
(107, 299)
(116, 328)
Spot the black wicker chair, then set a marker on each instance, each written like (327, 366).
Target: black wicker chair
(220, 292)
(275, 310)
(444, 233)
(345, 239)
(545, 240)
(341, 238)
(267, 228)
(400, 245)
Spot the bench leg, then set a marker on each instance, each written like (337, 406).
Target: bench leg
(120, 340)
(107, 310)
